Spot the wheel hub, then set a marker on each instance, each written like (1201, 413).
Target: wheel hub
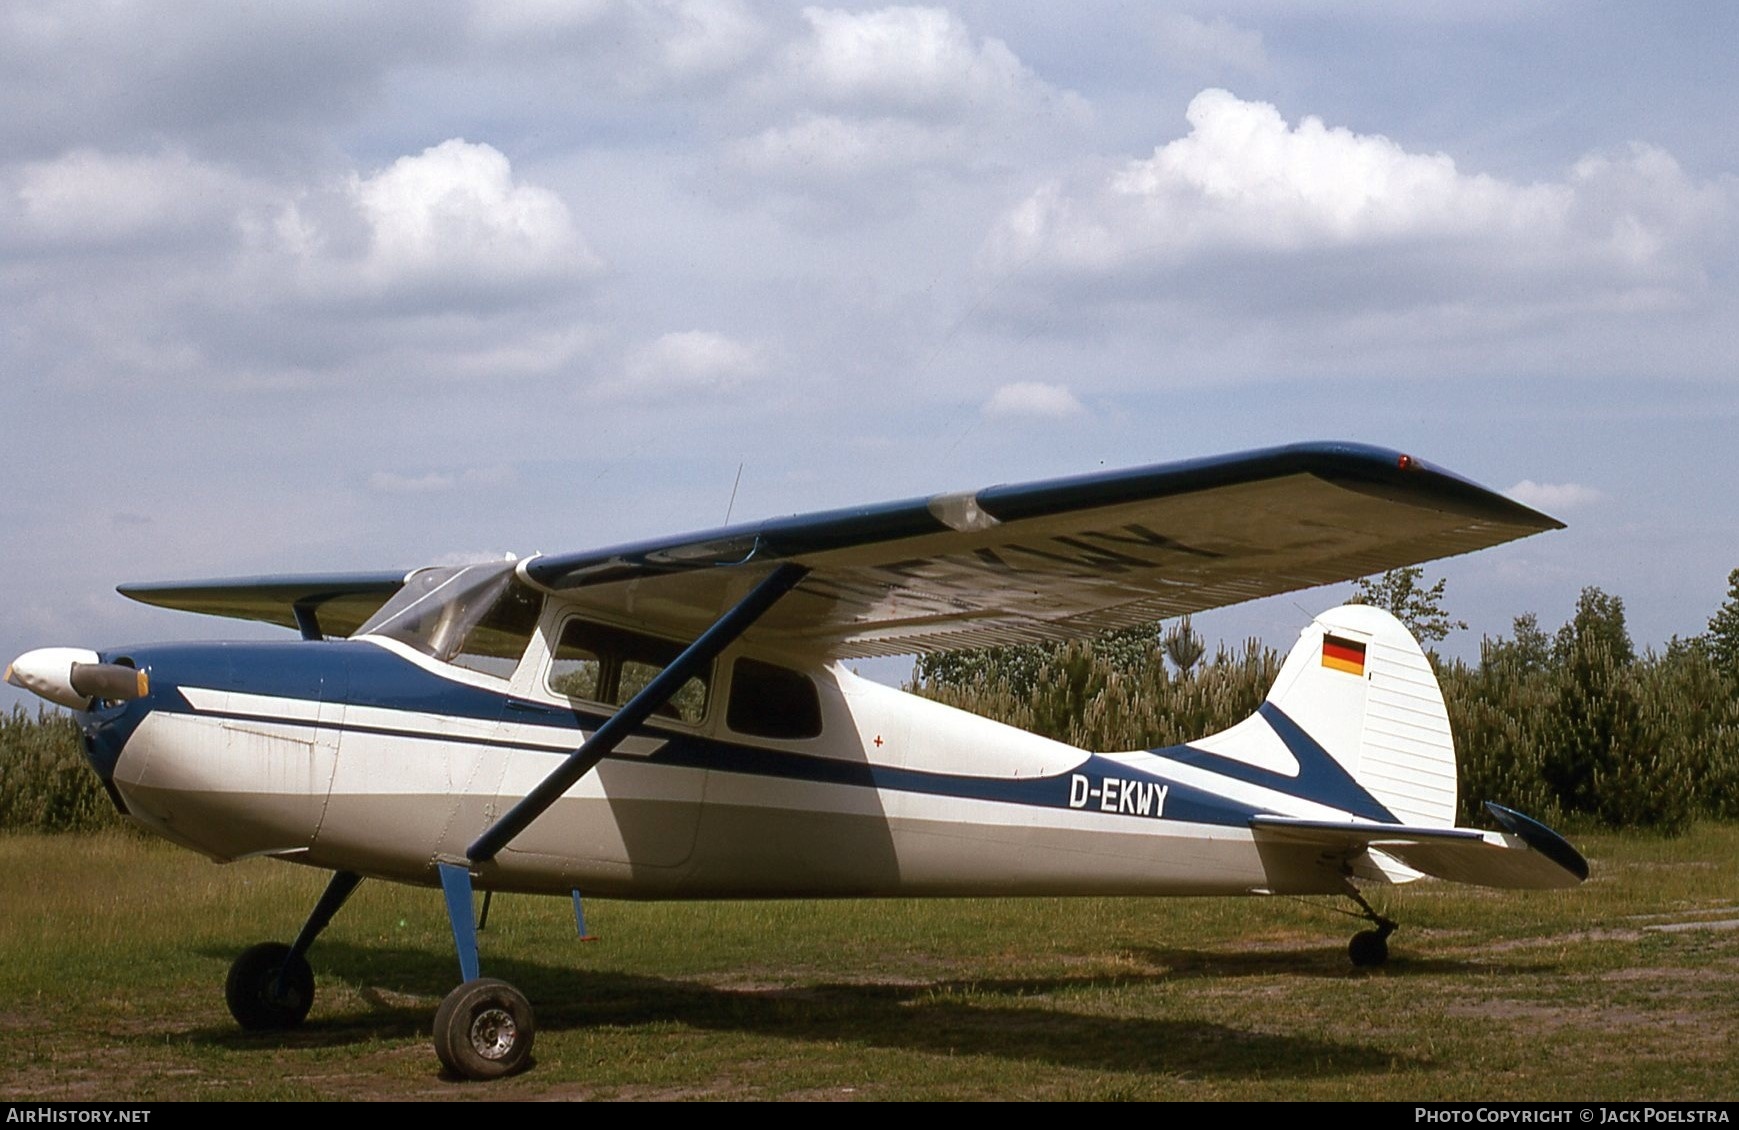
(280, 993)
(493, 1033)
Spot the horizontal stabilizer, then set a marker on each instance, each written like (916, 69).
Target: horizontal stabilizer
(1461, 855)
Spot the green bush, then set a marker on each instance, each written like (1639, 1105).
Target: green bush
(1496, 719)
(1573, 725)
(1114, 692)
(45, 783)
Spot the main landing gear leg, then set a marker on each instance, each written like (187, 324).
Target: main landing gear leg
(1369, 948)
(270, 986)
(484, 1028)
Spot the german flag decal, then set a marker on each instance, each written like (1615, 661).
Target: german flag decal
(1343, 655)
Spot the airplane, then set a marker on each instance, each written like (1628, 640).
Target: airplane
(671, 719)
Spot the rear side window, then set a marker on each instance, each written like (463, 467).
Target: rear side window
(768, 701)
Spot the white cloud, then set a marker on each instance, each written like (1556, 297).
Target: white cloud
(1033, 400)
(1641, 206)
(449, 229)
(89, 198)
(694, 360)
(699, 38)
(441, 264)
(902, 88)
(1554, 497)
(1243, 179)
(912, 58)
(1243, 182)
(455, 210)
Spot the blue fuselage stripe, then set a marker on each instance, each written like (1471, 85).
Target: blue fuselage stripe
(1320, 777)
(1097, 785)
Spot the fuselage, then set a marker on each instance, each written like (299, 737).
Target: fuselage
(366, 755)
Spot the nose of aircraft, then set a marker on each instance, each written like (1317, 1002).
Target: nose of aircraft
(73, 676)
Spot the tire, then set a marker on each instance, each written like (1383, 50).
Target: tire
(1368, 949)
(259, 998)
(484, 1030)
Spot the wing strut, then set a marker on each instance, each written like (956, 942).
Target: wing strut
(307, 614)
(625, 721)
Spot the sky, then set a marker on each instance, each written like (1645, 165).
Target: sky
(293, 287)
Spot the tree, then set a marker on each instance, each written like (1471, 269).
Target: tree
(1528, 653)
(1016, 666)
(1601, 755)
(1404, 593)
(1182, 646)
(1723, 637)
(1599, 620)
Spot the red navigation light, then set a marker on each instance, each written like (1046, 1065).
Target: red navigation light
(1405, 462)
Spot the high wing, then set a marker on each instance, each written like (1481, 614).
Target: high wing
(1063, 558)
(1051, 560)
(337, 602)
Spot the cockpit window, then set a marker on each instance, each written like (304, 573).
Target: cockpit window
(611, 665)
(476, 616)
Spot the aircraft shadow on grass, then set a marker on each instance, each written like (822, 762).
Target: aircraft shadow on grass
(953, 1017)
(1321, 962)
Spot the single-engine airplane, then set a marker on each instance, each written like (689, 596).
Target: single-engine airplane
(670, 719)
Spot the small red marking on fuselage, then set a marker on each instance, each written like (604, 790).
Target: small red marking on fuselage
(878, 741)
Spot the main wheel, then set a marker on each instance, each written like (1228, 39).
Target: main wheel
(269, 989)
(484, 1029)
(1368, 949)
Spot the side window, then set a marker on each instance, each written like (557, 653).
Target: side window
(609, 666)
(575, 670)
(768, 701)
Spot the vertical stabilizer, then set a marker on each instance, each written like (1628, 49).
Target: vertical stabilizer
(1358, 684)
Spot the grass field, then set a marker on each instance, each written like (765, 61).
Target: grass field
(113, 951)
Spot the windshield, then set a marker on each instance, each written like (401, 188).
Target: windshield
(450, 612)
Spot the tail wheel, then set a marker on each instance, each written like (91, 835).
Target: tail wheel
(484, 1030)
(1369, 948)
(269, 988)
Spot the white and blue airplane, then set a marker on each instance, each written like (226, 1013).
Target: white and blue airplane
(670, 719)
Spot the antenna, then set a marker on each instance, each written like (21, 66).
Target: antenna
(732, 505)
